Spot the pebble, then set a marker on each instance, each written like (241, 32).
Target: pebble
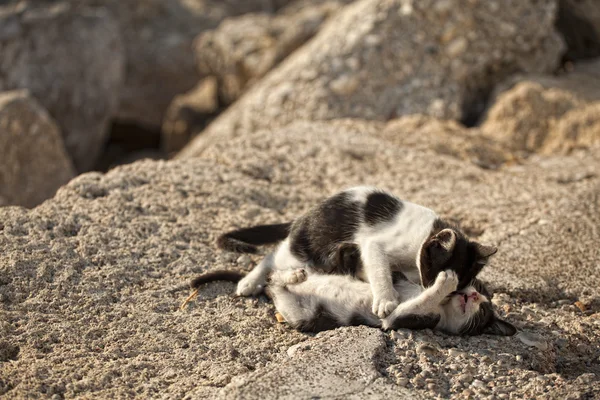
(244, 261)
(454, 352)
(586, 378)
(532, 339)
(292, 350)
(465, 378)
(478, 384)
(426, 348)
(402, 382)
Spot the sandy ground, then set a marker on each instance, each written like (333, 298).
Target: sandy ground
(90, 281)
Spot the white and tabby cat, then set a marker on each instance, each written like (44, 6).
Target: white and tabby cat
(312, 302)
(390, 234)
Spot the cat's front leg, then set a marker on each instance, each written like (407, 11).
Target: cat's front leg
(445, 283)
(379, 274)
(424, 310)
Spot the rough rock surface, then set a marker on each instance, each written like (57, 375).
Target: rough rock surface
(361, 65)
(158, 37)
(243, 49)
(33, 160)
(538, 113)
(71, 60)
(91, 280)
(446, 137)
(579, 23)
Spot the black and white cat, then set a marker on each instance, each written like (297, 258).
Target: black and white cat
(391, 235)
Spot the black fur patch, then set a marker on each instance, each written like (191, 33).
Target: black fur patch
(245, 240)
(315, 236)
(321, 321)
(381, 207)
(214, 276)
(398, 276)
(358, 319)
(348, 259)
(463, 258)
(481, 320)
(414, 321)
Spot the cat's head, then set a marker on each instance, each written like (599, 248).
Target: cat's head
(469, 312)
(449, 248)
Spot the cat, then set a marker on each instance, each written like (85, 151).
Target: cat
(391, 235)
(310, 301)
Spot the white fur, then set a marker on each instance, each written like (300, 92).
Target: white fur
(396, 242)
(345, 297)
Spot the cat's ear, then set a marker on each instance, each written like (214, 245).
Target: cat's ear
(445, 239)
(484, 252)
(500, 328)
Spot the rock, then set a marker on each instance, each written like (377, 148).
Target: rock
(158, 37)
(579, 23)
(91, 279)
(546, 114)
(456, 353)
(427, 349)
(188, 114)
(243, 49)
(586, 378)
(531, 339)
(400, 62)
(71, 60)
(327, 369)
(33, 160)
(449, 138)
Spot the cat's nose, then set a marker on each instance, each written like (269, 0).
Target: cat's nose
(474, 296)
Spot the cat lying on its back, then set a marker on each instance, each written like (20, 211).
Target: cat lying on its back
(390, 235)
(313, 302)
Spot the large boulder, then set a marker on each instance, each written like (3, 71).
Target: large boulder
(71, 60)
(90, 281)
(243, 49)
(379, 59)
(33, 160)
(235, 55)
(547, 114)
(158, 37)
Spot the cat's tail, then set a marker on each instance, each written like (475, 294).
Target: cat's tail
(245, 240)
(215, 276)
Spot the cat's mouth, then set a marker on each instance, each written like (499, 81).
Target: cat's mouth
(463, 299)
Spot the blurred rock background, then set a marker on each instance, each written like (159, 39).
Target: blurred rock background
(487, 111)
(125, 80)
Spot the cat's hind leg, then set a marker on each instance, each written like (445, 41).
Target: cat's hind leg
(254, 283)
(288, 277)
(280, 260)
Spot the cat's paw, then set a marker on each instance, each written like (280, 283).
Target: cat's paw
(446, 282)
(249, 286)
(288, 277)
(295, 276)
(383, 306)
